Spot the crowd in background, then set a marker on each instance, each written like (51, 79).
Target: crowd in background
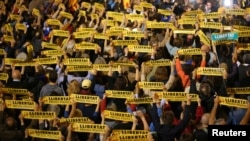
(164, 119)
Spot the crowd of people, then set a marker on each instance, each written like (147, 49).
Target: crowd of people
(116, 42)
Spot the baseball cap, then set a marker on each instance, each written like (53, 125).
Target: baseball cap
(86, 83)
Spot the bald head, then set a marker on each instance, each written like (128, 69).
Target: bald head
(16, 74)
(205, 119)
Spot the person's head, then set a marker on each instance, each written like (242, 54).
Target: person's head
(246, 58)
(206, 88)
(111, 106)
(178, 42)
(73, 87)
(16, 74)
(208, 5)
(168, 117)
(10, 123)
(187, 137)
(121, 83)
(53, 76)
(86, 83)
(161, 74)
(205, 119)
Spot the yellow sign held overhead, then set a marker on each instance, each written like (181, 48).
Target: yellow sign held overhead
(190, 51)
(76, 120)
(119, 94)
(145, 100)
(89, 128)
(57, 100)
(66, 15)
(38, 115)
(161, 62)
(76, 61)
(44, 134)
(125, 42)
(79, 68)
(105, 67)
(61, 33)
(240, 90)
(176, 96)
(43, 61)
(140, 48)
(52, 52)
(86, 46)
(151, 85)
(210, 71)
(89, 99)
(233, 102)
(165, 12)
(20, 104)
(120, 116)
(15, 91)
(50, 45)
(4, 76)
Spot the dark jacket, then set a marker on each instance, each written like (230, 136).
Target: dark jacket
(169, 132)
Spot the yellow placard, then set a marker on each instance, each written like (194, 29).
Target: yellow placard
(2, 52)
(53, 22)
(86, 46)
(99, 6)
(82, 29)
(38, 115)
(101, 36)
(138, 8)
(89, 99)
(129, 63)
(120, 116)
(240, 12)
(209, 71)
(25, 64)
(129, 137)
(161, 62)
(145, 100)
(112, 14)
(212, 25)
(36, 12)
(15, 91)
(82, 13)
(52, 52)
(114, 33)
(241, 28)
(186, 21)
(7, 38)
(165, 12)
(146, 5)
(66, 15)
(4, 76)
(157, 25)
(20, 26)
(85, 5)
(94, 16)
(233, 102)
(184, 31)
(83, 34)
(190, 51)
(50, 45)
(176, 96)
(151, 85)
(8, 28)
(89, 128)
(44, 134)
(140, 48)
(105, 67)
(109, 22)
(130, 132)
(125, 42)
(79, 68)
(134, 17)
(136, 34)
(119, 94)
(243, 46)
(15, 17)
(76, 61)
(75, 120)
(239, 90)
(43, 61)
(57, 100)
(20, 104)
(61, 33)
(204, 38)
(212, 15)
(244, 33)
(121, 29)
(10, 61)
(219, 42)
(193, 13)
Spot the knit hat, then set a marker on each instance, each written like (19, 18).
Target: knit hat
(86, 83)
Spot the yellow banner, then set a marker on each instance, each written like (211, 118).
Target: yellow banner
(15, 17)
(210, 71)
(193, 13)
(4, 76)
(52, 52)
(241, 28)
(20, 104)
(38, 115)
(176, 96)
(204, 38)
(114, 33)
(99, 6)
(15, 91)
(242, 46)
(83, 34)
(82, 13)
(212, 15)
(165, 12)
(219, 42)
(120, 116)
(7, 38)
(240, 12)
(129, 137)
(101, 36)
(94, 16)
(233, 102)
(244, 33)
(25, 98)
(151, 85)
(66, 15)
(10, 61)
(2, 52)
(85, 5)
(129, 63)
(76, 61)
(137, 34)
(112, 14)
(36, 12)
(125, 42)
(145, 100)
(86, 46)
(20, 26)
(119, 94)
(146, 5)
(57, 100)
(239, 90)
(50, 45)
(8, 27)
(190, 51)
(53, 22)
(136, 17)
(105, 67)
(161, 62)
(184, 31)
(186, 21)
(138, 8)
(43, 61)
(81, 29)
(140, 48)
(44, 134)
(89, 128)
(25, 64)
(158, 25)
(61, 33)
(130, 132)
(212, 25)
(109, 22)
(79, 68)
(89, 99)
(121, 29)
(75, 120)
